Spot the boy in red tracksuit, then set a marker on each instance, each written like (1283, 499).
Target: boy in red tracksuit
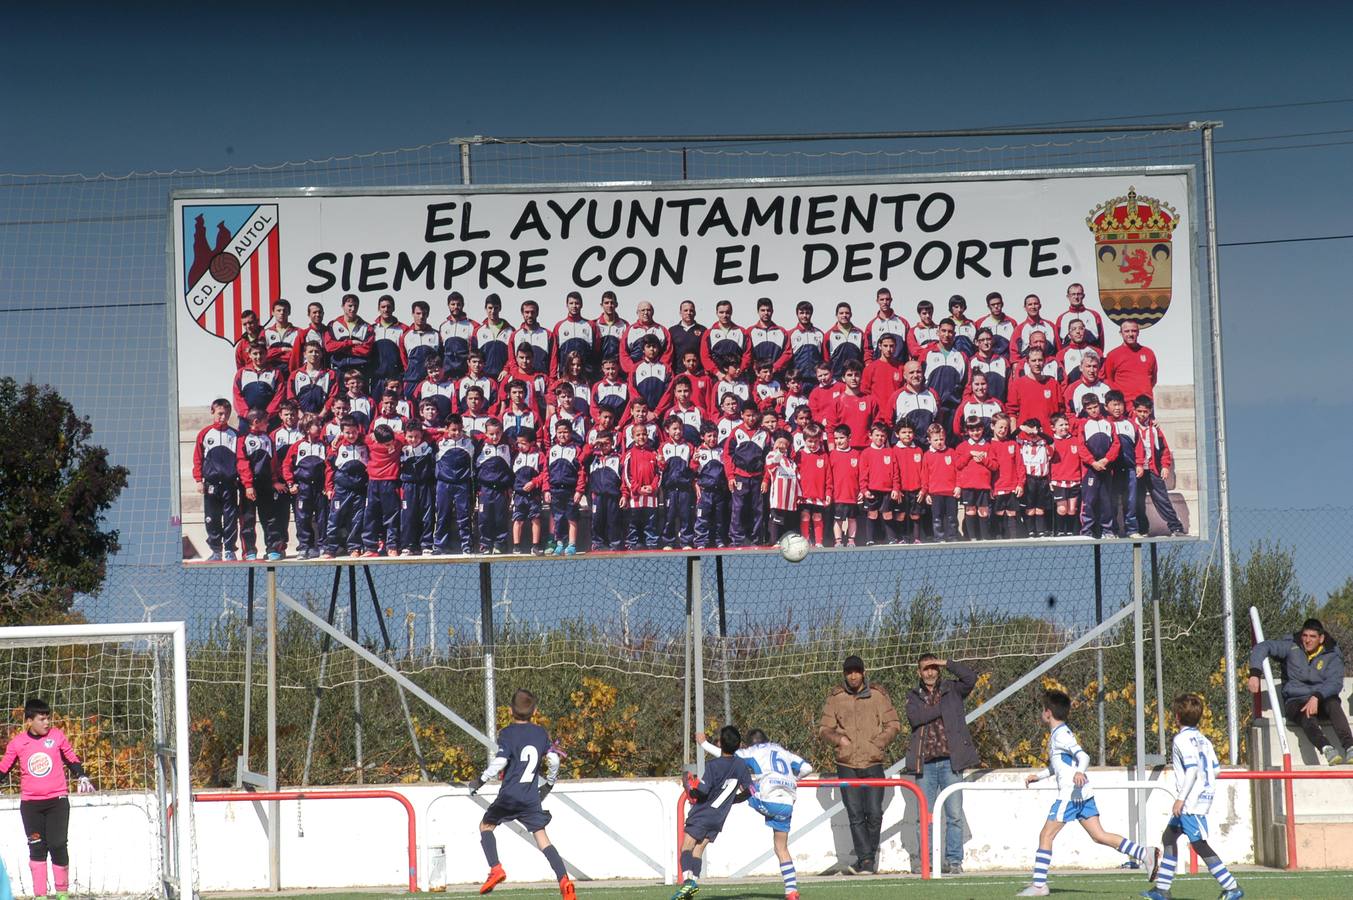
(381, 515)
(846, 496)
(1065, 476)
(823, 395)
(815, 484)
(856, 409)
(260, 482)
(1154, 461)
(702, 383)
(878, 481)
(976, 475)
(910, 459)
(640, 475)
(883, 377)
(939, 484)
(1009, 487)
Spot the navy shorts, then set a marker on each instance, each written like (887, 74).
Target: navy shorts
(700, 828)
(1064, 492)
(531, 815)
(877, 500)
(1005, 503)
(844, 512)
(976, 497)
(1036, 492)
(525, 507)
(909, 505)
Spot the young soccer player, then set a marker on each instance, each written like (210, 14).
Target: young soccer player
(846, 494)
(640, 476)
(1036, 454)
(303, 471)
(522, 747)
(766, 391)
(518, 415)
(602, 462)
(258, 385)
(216, 471)
(910, 459)
(313, 387)
(453, 496)
(856, 408)
(435, 387)
(776, 773)
(1075, 802)
(381, 516)
(730, 381)
(781, 486)
(727, 780)
(729, 417)
(745, 462)
(677, 458)
(1009, 482)
(261, 485)
(1098, 449)
(711, 491)
(528, 481)
(823, 396)
(815, 484)
(493, 464)
(345, 486)
(878, 482)
(1065, 475)
(565, 479)
(611, 392)
(1195, 765)
(43, 755)
(1154, 461)
(939, 485)
(474, 418)
(417, 493)
(684, 408)
(360, 406)
(651, 377)
(976, 475)
(883, 377)
(1123, 471)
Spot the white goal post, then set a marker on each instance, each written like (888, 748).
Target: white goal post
(124, 689)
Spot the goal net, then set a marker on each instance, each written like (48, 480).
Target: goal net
(120, 694)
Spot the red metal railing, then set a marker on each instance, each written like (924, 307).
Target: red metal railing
(923, 810)
(248, 796)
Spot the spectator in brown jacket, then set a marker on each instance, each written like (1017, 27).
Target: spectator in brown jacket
(860, 721)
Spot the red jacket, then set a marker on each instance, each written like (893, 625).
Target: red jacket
(822, 404)
(1153, 451)
(858, 411)
(1028, 398)
(383, 459)
(639, 469)
(1009, 466)
(939, 472)
(976, 474)
(1066, 460)
(878, 469)
(815, 475)
(845, 466)
(1133, 372)
(909, 462)
(883, 378)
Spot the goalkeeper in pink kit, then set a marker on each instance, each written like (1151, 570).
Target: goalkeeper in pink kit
(43, 755)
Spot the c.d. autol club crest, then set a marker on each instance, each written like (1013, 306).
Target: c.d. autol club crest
(1134, 256)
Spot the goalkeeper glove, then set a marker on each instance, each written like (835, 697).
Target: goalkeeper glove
(85, 786)
(545, 790)
(475, 785)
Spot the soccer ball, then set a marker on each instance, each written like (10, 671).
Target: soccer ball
(794, 547)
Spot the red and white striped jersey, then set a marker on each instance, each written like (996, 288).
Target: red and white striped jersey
(782, 475)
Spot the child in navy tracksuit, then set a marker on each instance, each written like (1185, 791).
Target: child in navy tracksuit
(216, 471)
(602, 463)
(1098, 449)
(1123, 472)
(304, 471)
(745, 462)
(528, 482)
(493, 465)
(382, 491)
(677, 458)
(345, 485)
(417, 486)
(455, 487)
(259, 482)
(711, 490)
(565, 479)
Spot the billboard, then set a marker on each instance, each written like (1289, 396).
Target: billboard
(1022, 314)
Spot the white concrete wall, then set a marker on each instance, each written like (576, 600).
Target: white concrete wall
(341, 843)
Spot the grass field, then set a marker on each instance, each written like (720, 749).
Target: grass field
(1257, 884)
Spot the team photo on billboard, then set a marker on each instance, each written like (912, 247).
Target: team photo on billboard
(629, 368)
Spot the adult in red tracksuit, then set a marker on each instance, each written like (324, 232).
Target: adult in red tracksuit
(1097, 450)
(1037, 396)
(640, 473)
(381, 515)
(745, 462)
(1131, 368)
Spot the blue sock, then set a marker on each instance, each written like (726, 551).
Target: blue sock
(1221, 873)
(790, 877)
(490, 844)
(556, 861)
(1042, 862)
(1165, 877)
(1136, 851)
(690, 866)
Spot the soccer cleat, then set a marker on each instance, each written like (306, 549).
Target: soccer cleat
(496, 877)
(687, 890)
(230, 556)
(566, 890)
(558, 550)
(1034, 890)
(1153, 894)
(791, 895)
(1233, 894)
(1331, 758)
(571, 550)
(1151, 862)
(273, 556)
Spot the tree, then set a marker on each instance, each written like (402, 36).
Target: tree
(55, 486)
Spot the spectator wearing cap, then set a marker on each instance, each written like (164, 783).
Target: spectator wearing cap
(859, 721)
(1313, 676)
(942, 748)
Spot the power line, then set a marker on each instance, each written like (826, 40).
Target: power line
(1297, 240)
(1194, 112)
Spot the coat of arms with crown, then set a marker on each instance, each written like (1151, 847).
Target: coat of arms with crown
(1133, 256)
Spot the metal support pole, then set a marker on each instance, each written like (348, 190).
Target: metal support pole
(723, 642)
(464, 162)
(1228, 599)
(319, 680)
(356, 677)
(1161, 739)
(695, 594)
(274, 808)
(1139, 693)
(243, 764)
(688, 736)
(1099, 656)
(486, 639)
(390, 657)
